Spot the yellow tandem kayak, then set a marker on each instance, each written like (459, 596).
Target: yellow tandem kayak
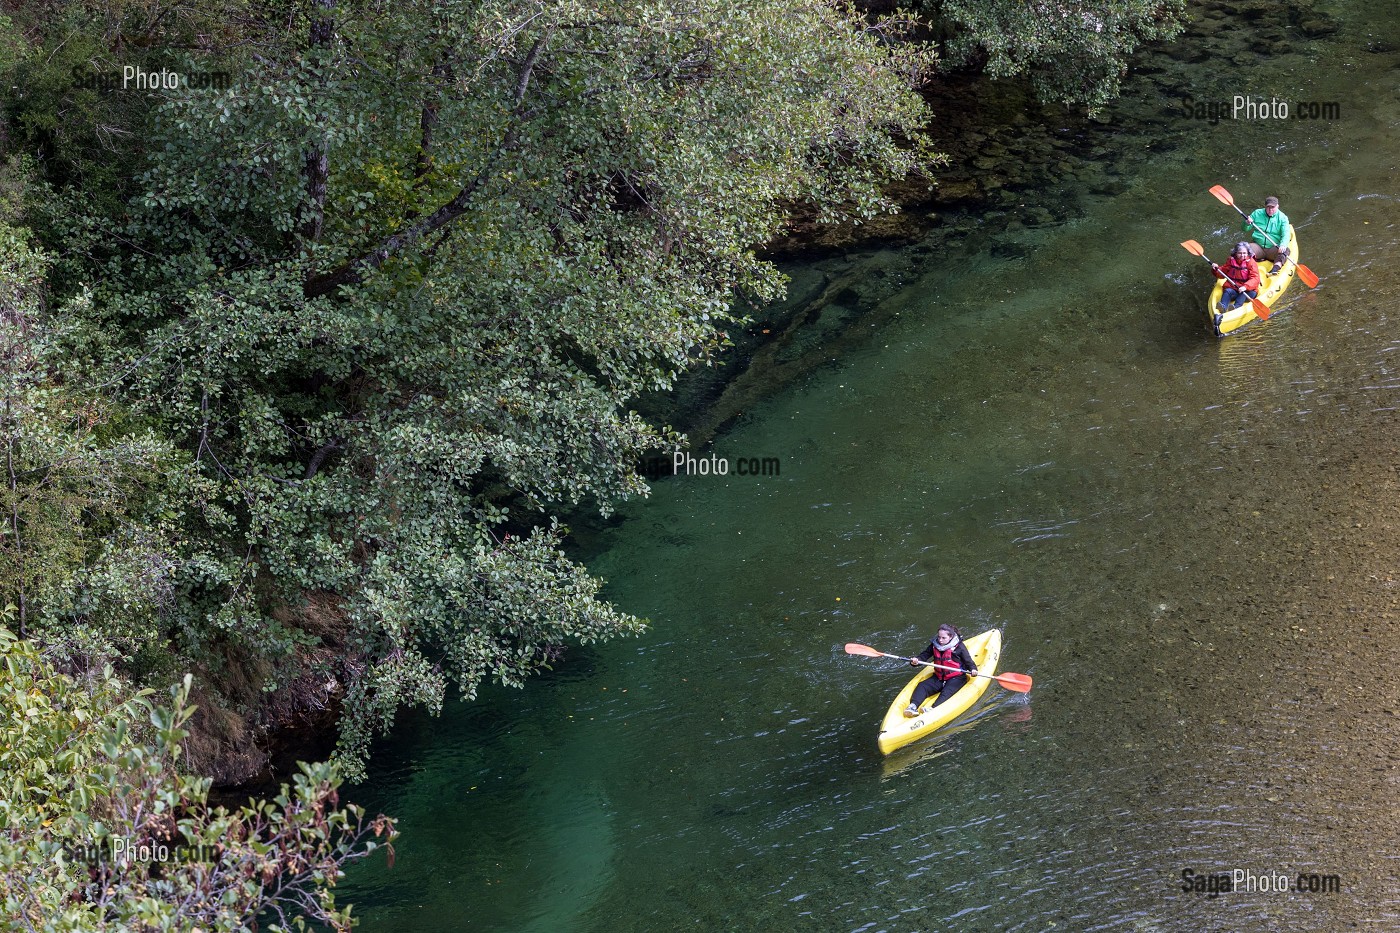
(897, 731)
(1270, 288)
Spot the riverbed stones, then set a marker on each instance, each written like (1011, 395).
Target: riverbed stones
(1317, 27)
(956, 190)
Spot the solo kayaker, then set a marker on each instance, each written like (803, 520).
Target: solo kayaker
(1241, 275)
(948, 651)
(1269, 228)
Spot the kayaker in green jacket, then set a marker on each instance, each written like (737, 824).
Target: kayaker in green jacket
(1269, 228)
(951, 656)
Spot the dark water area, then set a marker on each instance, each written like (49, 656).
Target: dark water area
(1191, 544)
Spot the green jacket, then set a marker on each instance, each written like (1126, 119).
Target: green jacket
(1276, 227)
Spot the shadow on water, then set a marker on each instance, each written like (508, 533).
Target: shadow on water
(995, 708)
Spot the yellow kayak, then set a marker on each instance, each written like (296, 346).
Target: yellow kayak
(897, 731)
(1270, 288)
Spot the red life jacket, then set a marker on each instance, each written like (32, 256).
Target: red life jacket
(949, 667)
(1242, 275)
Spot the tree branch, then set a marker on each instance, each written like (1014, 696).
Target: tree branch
(320, 457)
(354, 271)
(427, 123)
(317, 165)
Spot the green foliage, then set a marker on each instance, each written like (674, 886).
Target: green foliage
(62, 63)
(102, 833)
(69, 483)
(390, 293)
(1073, 52)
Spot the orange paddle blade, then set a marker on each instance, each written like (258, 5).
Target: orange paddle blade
(863, 651)
(1307, 275)
(1261, 310)
(1196, 249)
(1021, 683)
(1222, 195)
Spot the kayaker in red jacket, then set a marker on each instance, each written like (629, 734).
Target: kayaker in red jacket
(1241, 275)
(948, 651)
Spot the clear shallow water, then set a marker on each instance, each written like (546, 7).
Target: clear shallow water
(1189, 543)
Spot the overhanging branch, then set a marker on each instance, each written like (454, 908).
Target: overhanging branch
(354, 272)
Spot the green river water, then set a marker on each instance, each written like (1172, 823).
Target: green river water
(1189, 543)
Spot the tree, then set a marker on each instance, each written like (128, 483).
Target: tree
(101, 832)
(71, 481)
(1074, 52)
(390, 295)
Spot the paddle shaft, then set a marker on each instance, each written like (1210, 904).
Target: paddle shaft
(1017, 682)
(900, 657)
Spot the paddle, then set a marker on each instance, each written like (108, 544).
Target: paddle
(1261, 309)
(1307, 275)
(1021, 683)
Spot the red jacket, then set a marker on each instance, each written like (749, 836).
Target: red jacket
(1242, 275)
